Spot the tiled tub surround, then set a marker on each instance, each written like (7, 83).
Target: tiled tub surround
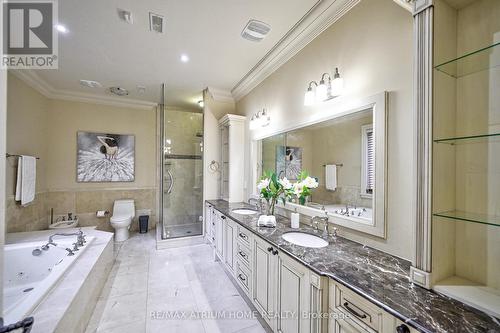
(378, 276)
(69, 305)
(83, 203)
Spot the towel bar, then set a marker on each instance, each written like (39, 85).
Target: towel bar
(337, 164)
(15, 155)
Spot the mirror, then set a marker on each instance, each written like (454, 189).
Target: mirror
(346, 155)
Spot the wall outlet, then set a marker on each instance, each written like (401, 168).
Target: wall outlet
(140, 212)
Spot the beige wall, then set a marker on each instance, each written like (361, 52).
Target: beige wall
(48, 129)
(67, 118)
(27, 129)
(372, 56)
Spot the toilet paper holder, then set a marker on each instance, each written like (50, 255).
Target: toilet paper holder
(102, 213)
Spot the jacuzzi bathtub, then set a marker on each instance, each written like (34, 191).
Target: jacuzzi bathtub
(358, 214)
(28, 278)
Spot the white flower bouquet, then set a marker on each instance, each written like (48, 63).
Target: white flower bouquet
(271, 188)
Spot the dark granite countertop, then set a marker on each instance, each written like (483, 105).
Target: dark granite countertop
(376, 275)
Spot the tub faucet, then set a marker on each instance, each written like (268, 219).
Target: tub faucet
(80, 239)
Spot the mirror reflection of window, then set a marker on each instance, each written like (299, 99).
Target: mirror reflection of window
(368, 161)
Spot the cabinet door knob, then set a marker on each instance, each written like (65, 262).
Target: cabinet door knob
(242, 235)
(402, 329)
(223, 217)
(242, 254)
(269, 249)
(275, 252)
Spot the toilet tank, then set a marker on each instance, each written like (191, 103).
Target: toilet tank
(124, 207)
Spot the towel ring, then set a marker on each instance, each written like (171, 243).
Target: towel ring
(214, 166)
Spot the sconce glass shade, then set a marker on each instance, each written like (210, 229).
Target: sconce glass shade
(337, 84)
(321, 92)
(309, 97)
(266, 120)
(253, 123)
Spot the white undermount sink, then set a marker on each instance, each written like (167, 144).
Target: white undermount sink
(244, 211)
(305, 240)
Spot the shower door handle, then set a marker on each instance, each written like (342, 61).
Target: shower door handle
(171, 182)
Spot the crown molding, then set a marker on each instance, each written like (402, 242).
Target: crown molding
(44, 88)
(318, 19)
(220, 95)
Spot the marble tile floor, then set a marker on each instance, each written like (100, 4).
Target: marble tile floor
(145, 285)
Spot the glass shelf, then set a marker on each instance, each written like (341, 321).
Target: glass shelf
(470, 139)
(477, 61)
(470, 217)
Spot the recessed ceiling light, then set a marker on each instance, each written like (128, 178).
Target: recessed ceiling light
(184, 58)
(61, 28)
(90, 84)
(201, 104)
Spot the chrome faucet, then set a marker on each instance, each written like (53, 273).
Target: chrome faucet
(258, 203)
(316, 219)
(80, 239)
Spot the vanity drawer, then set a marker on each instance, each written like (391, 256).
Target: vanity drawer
(356, 307)
(243, 254)
(244, 236)
(243, 277)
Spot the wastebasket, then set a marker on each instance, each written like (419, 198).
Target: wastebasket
(143, 224)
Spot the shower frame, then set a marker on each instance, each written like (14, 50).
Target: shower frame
(161, 166)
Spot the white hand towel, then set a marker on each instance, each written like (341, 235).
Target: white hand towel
(26, 179)
(331, 177)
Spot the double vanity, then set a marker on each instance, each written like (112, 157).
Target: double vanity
(303, 280)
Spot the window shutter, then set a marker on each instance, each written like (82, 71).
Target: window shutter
(370, 162)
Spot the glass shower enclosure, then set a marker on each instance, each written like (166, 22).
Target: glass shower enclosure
(181, 172)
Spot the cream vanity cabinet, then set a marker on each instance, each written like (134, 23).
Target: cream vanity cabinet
(352, 313)
(232, 158)
(219, 234)
(286, 292)
(209, 223)
(229, 240)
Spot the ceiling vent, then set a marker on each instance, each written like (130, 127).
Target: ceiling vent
(119, 91)
(156, 23)
(255, 31)
(90, 84)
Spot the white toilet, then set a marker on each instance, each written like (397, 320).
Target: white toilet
(123, 213)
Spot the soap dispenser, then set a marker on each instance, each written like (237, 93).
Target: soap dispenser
(295, 219)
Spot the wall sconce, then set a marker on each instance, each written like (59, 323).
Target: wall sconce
(337, 86)
(310, 96)
(325, 90)
(260, 119)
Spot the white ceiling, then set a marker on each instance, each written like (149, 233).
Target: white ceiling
(459, 4)
(101, 47)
